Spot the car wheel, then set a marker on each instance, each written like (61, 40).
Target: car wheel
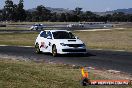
(37, 50)
(54, 51)
(37, 28)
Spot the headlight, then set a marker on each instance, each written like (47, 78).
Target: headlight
(62, 44)
(83, 45)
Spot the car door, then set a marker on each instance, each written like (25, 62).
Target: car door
(43, 41)
(49, 41)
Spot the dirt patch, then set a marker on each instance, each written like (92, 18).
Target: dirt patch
(109, 74)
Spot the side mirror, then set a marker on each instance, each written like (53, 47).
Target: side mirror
(77, 37)
(49, 37)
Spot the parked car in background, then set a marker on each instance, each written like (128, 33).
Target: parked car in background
(59, 42)
(2, 25)
(70, 25)
(81, 25)
(37, 27)
(77, 25)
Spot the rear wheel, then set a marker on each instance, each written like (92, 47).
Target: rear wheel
(54, 51)
(37, 49)
(35, 28)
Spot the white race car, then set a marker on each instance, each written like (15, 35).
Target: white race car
(80, 25)
(59, 42)
(37, 27)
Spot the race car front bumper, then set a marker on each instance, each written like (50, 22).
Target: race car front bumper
(72, 51)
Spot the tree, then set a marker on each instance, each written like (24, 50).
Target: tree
(29, 16)
(41, 14)
(77, 13)
(1, 16)
(9, 10)
(62, 17)
(20, 12)
(88, 16)
(54, 17)
(78, 10)
(119, 17)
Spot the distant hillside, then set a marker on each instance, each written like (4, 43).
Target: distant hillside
(62, 10)
(126, 11)
(57, 10)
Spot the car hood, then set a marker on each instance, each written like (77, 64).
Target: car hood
(68, 41)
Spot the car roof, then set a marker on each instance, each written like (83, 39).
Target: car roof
(38, 24)
(56, 30)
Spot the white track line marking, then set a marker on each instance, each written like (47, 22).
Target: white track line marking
(95, 30)
(119, 28)
(109, 50)
(119, 50)
(17, 46)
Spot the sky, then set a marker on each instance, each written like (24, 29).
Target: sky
(87, 5)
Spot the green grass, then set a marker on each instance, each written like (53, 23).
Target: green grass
(112, 39)
(20, 74)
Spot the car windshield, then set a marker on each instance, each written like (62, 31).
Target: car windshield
(63, 35)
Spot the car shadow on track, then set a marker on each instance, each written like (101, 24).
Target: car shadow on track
(72, 55)
(77, 55)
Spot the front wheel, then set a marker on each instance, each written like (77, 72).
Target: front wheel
(37, 49)
(54, 51)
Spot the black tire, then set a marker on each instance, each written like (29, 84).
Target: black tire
(41, 28)
(36, 28)
(54, 51)
(37, 49)
(85, 82)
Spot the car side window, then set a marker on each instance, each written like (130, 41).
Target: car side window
(49, 34)
(43, 34)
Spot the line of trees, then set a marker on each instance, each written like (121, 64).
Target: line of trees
(16, 12)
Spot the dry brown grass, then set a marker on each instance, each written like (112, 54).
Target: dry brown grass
(13, 28)
(21, 74)
(26, 39)
(112, 39)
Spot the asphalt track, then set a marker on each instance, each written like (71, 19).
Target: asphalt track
(109, 60)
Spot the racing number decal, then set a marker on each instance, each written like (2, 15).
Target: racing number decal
(43, 45)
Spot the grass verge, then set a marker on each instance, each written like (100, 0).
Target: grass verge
(18, 39)
(20, 74)
(27, 23)
(109, 39)
(13, 28)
